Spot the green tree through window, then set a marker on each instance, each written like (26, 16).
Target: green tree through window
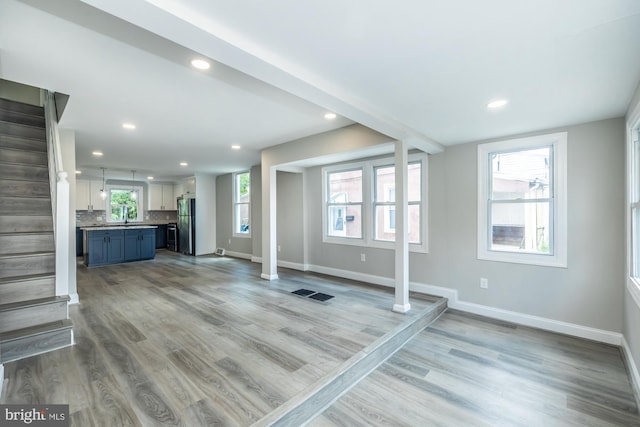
(123, 206)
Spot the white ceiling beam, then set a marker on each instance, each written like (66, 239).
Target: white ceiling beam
(175, 22)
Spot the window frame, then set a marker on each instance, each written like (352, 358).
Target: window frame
(368, 203)
(139, 198)
(236, 204)
(558, 200)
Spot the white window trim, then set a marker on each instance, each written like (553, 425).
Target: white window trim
(368, 233)
(559, 143)
(107, 202)
(633, 198)
(234, 203)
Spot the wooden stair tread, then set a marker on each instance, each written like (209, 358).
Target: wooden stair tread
(25, 233)
(21, 107)
(33, 303)
(43, 328)
(27, 278)
(26, 255)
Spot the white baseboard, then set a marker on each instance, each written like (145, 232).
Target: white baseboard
(74, 299)
(566, 328)
(292, 265)
(269, 276)
(633, 369)
(257, 259)
(238, 255)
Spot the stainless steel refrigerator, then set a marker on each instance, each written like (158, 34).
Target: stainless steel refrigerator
(187, 226)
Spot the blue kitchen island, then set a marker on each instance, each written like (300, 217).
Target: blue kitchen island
(116, 244)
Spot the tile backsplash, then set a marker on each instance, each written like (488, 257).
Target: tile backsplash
(86, 217)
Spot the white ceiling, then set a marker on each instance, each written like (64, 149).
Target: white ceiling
(421, 70)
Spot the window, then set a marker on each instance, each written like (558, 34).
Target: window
(384, 208)
(242, 204)
(124, 204)
(359, 203)
(635, 202)
(522, 200)
(344, 204)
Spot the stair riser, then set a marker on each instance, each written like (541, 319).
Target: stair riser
(22, 172)
(22, 131)
(20, 224)
(21, 107)
(31, 316)
(27, 265)
(25, 290)
(21, 118)
(24, 188)
(29, 346)
(24, 206)
(10, 155)
(7, 141)
(26, 243)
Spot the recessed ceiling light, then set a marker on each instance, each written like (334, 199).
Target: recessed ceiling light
(200, 64)
(78, 172)
(129, 126)
(149, 177)
(330, 116)
(97, 153)
(184, 164)
(235, 147)
(497, 103)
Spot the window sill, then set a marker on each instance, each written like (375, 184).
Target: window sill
(242, 236)
(413, 248)
(523, 258)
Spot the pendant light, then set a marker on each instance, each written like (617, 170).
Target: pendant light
(103, 193)
(133, 191)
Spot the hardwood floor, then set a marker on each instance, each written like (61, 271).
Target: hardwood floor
(199, 341)
(184, 341)
(465, 370)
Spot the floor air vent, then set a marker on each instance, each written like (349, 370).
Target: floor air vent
(318, 296)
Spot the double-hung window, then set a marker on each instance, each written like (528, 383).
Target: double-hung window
(522, 200)
(635, 202)
(242, 204)
(360, 203)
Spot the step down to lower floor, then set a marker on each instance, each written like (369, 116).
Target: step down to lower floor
(35, 340)
(26, 314)
(311, 401)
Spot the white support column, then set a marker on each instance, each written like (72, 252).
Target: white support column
(269, 228)
(402, 237)
(62, 234)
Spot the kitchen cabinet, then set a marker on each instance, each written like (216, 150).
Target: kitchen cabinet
(161, 197)
(104, 247)
(161, 236)
(88, 195)
(79, 244)
(139, 244)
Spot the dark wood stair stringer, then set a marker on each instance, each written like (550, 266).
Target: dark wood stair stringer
(33, 319)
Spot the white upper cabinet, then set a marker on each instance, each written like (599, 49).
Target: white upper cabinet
(88, 195)
(161, 197)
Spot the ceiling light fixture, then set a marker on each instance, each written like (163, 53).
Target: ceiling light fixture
(129, 126)
(97, 153)
(78, 172)
(235, 147)
(103, 193)
(150, 177)
(133, 190)
(184, 164)
(330, 116)
(497, 104)
(200, 64)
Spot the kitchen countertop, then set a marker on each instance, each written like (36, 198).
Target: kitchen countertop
(121, 224)
(116, 227)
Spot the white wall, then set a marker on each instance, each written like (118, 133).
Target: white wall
(205, 213)
(586, 295)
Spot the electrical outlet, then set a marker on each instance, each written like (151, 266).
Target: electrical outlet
(99, 218)
(363, 257)
(484, 283)
(229, 241)
(278, 248)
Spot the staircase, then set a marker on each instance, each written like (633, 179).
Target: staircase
(33, 319)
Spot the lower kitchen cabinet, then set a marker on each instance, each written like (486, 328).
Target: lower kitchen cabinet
(114, 246)
(104, 247)
(79, 244)
(139, 244)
